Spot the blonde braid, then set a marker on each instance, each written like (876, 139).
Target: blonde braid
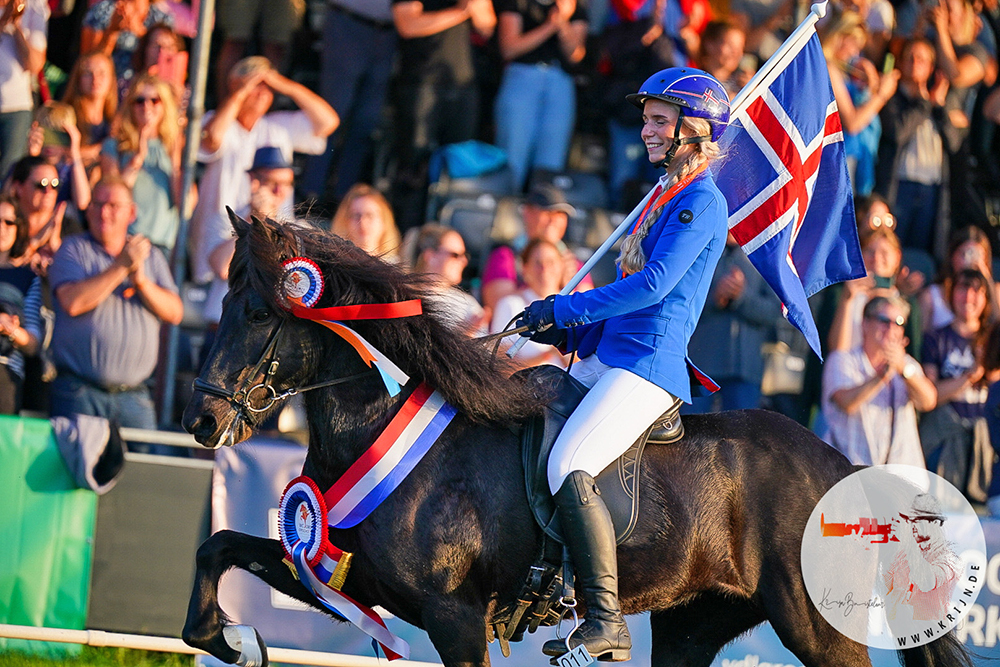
(631, 258)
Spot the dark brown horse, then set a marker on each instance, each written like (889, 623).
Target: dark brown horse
(715, 551)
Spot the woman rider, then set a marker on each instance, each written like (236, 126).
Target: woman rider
(639, 327)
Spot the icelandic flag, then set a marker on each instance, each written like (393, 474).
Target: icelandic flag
(784, 175)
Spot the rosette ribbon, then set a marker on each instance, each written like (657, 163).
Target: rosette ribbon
(322, 567)
(304, 516)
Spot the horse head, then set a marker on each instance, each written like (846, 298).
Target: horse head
(263, 352)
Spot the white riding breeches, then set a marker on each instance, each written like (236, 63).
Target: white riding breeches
(619, 407)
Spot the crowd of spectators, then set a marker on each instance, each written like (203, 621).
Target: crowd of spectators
(337, 113)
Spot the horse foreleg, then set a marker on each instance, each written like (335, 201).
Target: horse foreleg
(207, 627)
(457, 629)
(691, 635)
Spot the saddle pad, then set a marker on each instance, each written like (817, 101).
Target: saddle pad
(618, 482)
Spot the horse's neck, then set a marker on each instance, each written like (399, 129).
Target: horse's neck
(340, 430)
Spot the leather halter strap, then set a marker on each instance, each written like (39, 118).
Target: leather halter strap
(240, 398)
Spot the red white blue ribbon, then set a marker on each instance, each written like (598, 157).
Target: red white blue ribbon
(385, 464)
(302, 527)
(304, 514)
(345, 607)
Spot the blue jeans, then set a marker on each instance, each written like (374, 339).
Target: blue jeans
(70, 395)
(14, 128)
(535, 114)
(916, 211)
(356, 63)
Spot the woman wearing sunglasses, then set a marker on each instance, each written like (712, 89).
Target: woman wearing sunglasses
(19, 324)
(439, 253)
(144, 149)
(35, 185)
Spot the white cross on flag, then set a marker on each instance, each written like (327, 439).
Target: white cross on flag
(785, 177)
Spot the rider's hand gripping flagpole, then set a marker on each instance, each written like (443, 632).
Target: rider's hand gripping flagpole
(774, 65)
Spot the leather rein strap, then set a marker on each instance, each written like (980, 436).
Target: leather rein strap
(240, 397)
(268, 363)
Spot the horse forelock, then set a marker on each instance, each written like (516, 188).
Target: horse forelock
(424, 347)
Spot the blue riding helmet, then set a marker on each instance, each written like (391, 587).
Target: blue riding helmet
(697, 93)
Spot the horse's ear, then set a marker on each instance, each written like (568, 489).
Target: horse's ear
(240, 226)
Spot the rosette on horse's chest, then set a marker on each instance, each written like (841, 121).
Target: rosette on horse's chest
(302, 527)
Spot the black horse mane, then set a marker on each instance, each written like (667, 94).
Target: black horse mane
(424, 347)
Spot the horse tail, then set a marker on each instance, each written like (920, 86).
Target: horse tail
(946, 651)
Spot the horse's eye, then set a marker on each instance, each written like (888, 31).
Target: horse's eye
(260, 316)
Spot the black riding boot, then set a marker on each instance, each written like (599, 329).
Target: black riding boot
(590, 538)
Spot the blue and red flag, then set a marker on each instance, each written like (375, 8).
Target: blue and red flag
(785, 177)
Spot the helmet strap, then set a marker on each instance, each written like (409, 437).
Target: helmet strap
(678, 142)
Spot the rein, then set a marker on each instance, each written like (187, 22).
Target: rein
(268, 363)
(240, 398)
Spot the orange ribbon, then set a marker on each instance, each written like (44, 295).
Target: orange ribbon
(656, 202)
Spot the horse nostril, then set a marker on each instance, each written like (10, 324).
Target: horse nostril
(202, 427)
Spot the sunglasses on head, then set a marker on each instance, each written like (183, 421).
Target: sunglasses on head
(47, 183)
(139, 101)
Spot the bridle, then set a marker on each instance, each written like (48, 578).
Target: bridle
(268, 363)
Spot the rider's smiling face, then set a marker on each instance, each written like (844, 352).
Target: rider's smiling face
(658, 121)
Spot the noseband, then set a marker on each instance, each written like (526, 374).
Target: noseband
(240, 398)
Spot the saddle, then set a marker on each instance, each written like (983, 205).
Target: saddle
(548, 582)
(618, 483)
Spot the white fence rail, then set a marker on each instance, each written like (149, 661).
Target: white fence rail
(172, 645)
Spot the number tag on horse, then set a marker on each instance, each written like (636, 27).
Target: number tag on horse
(578, 657)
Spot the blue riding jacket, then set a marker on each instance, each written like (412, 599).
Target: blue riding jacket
(643, 322)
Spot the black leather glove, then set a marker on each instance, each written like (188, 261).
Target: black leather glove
(539, 315)
(553, 336)
(540, 319)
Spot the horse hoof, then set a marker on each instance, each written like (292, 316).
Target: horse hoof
(246, 640)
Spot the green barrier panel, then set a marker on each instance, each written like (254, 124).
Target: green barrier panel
(46, 536)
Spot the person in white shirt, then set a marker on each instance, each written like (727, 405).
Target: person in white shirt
(23, 44)
(871, 392)
(543, 272)
(231, 136)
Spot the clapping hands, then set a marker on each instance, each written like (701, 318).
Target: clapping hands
(730, 287)
(562, 11)
(133, 255)
(9, 324)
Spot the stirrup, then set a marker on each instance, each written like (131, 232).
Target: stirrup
(668, 428)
